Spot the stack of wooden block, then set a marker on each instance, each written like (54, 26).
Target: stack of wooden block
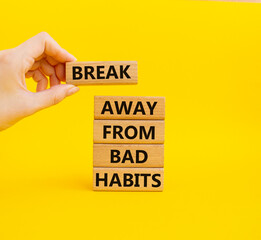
(128, 150)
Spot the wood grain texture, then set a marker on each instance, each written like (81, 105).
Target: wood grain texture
(127, 107)
(128, 131)
(112, 72)
(128, 179)
(128, 155)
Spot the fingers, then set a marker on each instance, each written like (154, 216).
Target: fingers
(49, 70)
(43, 68)
(53, 95)
(51, 61)
(44, 44)
(54, 81)
(38, 61)
(40, 78)
(35, 65)
(43, 53)
(60, 71)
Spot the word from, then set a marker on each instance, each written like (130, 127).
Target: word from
(129, 132)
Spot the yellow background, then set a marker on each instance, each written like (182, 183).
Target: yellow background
(205, 58)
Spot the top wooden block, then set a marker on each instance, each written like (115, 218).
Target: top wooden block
(117, 107)
(91, 73)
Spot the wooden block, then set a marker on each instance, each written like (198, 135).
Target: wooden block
(128, 131)
(91, 73)
(131, 155)
(128, 179)
(117, 107)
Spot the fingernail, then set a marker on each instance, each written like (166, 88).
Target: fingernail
(72, 90)
(73, 57)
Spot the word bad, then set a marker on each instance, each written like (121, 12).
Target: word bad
(141, 156)
(128, 155)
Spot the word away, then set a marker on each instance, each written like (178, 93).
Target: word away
(129, 107)
(141, 156)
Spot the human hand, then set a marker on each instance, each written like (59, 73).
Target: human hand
(38, 57)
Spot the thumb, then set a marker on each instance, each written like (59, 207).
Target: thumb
(53, 95)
